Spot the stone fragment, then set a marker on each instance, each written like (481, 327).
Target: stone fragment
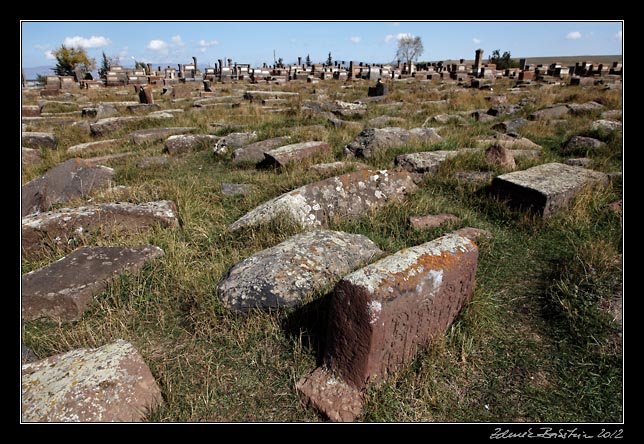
(584, 162)
(581, 144)
(90, 146)
(27, 355)
(30, 156)
(336, 167)
(182, 143)
(552, 112)
(579, 109)
(606, 125)
(372, 140)
(497, 155)
(426, 162)
(108, 125)
(297, 152)
(232, 141)
(39, 139)
(431, 220)
(140, 137)
(509, 126)
(254, 152)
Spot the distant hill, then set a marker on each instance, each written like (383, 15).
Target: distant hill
(547, 60)
(32, 73)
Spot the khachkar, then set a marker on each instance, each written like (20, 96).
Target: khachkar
(478, 62)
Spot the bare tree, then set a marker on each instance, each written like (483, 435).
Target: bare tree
(409, 48)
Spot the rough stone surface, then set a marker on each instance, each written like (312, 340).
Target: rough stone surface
(473, 234)
(474, 177)
(546, 188)
(348, 196)
(606, 125)
(153, 134)
(580, 162)
(611, 114)
(336, 167)
(330, 395)
(232, 141)
(290, 273)
(297, 152)
(182, 143)
(579, 109)
(507, 142)
(30, 156)
(348, 109)
(64, 228)
(497, 155)
(254, 152)
(89, 146)
(509, 126)
(69, 180)
(581, 144)
(372, 140)
(426, 162)
(27, 355)
(431, 220)
(108, 125)
(63, 289)
(236, 189)
(111, 383)
(552, 112)
(39, 139)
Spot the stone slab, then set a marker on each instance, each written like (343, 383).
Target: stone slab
(183, 143)
(296, 152)
(140, 137)
(254, 152)
(425, 162)
(39, 139)
(91, 146)
(372, 140)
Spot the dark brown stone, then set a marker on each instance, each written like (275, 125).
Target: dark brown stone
(145, 95)
(497, 155)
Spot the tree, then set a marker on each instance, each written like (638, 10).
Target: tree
(106, 64)
(70, 59)
(409, 48)
(308, 60)
(502, 61)
(329, 60)
(140, 65)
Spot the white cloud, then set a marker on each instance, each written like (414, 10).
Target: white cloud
(355, 39)
(176, 39)
(157, 45)
(404, 35)
(49, 55)
(390, 37)
(204, 44)
(92, 42)
(475, 40)
(573, 35)
(618, 35)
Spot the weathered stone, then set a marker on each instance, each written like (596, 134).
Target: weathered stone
(553, 112)
(546, 188)
(497, 155)
(579, 109)
(431, 220)
(503, 110)
(164, 113)
(385, 120)
(612, 114)
(108, 125)
(99, 160)
(381, 315)
(63, 289)
(145, 95)
(297, 152)
(474, 177)
(152, 161)
(507, 142)
(259, 95)
(90, 146)
(497, 99)
(473, 234)
(338, 123)
(372, 140)
(347, 109)
(330, 395)
(64, 228)
(140, 137)
(290, 273)
(510, 125)
(581, 144)
(30, 156)
(111, 383)
(143, 108)
(105, 110)
(236, 189)
(233, 141)
(606, 125)
(27, 355)
(481, 116)
(254, 152)
(584, 162)
(69, 180)
(424, 162)
(336, 167)
(30, 111)
(182, 143)
(349, 196)
(39, 139)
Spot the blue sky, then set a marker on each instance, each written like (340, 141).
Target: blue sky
(164, 43)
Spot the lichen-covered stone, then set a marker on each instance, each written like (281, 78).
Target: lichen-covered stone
(606, 125)
(348, 196)
(290, 273)
(426, 162)
(582, 144)
(546, 188)
(183, 143)
(330, 395)
(153, 134)
(296, 152)
(63, 289)
(108, 125)
(579, 109)
(39, 139)
(336, 167)
(232, 141)
(111, 383)
(98, 145)
(64, 228)
(254, 152)
(372, 140)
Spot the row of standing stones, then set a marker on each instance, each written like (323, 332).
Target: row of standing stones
(382, 310)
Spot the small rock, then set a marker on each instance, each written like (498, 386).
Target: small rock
(497, 155)
(39, 139)
(606, 125)
(431, 220)
(581, 144)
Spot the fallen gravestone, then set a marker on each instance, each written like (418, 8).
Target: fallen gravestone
(109, 125)
(140, 137)
(183, 143)
(90, 146)
(582, 145)
(606, 125)
(510, 126)
(349, 196)
(62, 290)
(337, 167)
(39, 139)
(507, 141)
(579, 109)
(611, 114)
(290, 273)
(64, 228)
(382, 315)
(297, 152)
(425, 162)
(232, 141)
(372, 140)
(254, 152)
(546, 188)
(111, 383)
(69, 180)
(551, 112)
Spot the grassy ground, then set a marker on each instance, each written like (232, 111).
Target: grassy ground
(534, 343)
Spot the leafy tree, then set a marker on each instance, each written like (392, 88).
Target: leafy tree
(140, 65)
(106, 64)
(409, 49)
(502, 61)
(308, 60)
(69, 59)
(329, 60)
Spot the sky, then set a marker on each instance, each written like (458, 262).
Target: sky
(170, 42)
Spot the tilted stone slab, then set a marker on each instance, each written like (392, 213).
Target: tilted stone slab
(111, 383)
(183, 143)
(552, 112)
(260, 95)
(254, 152)
(108, 125)
(66, 227)
(39, 139)
(63, 289)
(507, 142)
(426, 162)
(71, 179)
(348, 196)
(372, 140)
(232, 141)
(290, 273)
(140, 137)
(296, 152)
(381, 315)
(546, 188)
(90, 146)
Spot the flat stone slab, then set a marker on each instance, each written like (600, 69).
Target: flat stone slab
(71, 179)
(372, 140)
(184, 143)
(290, 273)
(65, 228)
(153, 134)
(39, 139)
(584, 108)
(582, 144)
(232, 141)
(261, 95)
(381, 315)
(30, 156)
(426, 162)
(330, 395)
(254, 152)
(507, 142)
(296, 152)
(111, 383)
(552, 112)
(546, 188)
(91, 146)
(63, 289)
(109, 125)
(348, 196)
(431, 220)
(336, 167)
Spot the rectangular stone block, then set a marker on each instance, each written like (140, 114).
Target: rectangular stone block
(297, 152)
(546, 188)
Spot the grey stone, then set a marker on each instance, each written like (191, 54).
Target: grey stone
(296, 152)
(473, 234)
(27, 355)
(260, 95)
(584, 162)
(104, 110)
(606, 125)
(62, 290)
(481, 116)
(579, 109)
(372, 140)
(384, 121)
(497, 155)
(30, 156)
(507, 142)
(581, 144)
(348, 109)
(254, 152)
(236, 189)
(553, 112)
(69, 180)
(64, 228)
(510, 125)
(233, 141)
(337, 167)
(290, 273)
(182, 143)
(39, 139)
(426, 162)
(90, 146)
(111, 383)
(349, 196)
(108, 125)
(143, 108)
(612, 114)
(474, 177)
(338, 123)
(546, 188)
(98, 160)
(503, 110)
(140, 137)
